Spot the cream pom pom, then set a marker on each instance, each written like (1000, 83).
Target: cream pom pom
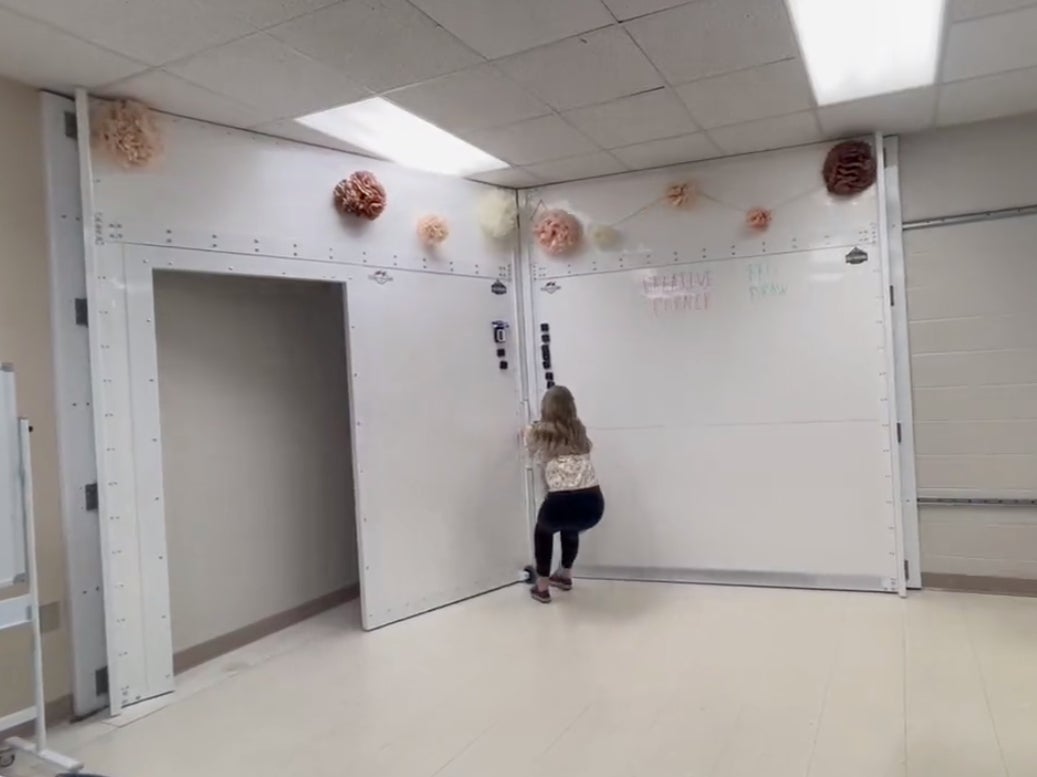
(604, 236)
(498, 213)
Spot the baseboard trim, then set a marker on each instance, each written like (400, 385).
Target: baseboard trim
(980, 584)
(58, 711)
(214, 648)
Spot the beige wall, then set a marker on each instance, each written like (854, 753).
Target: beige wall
(257, 465)
(25, 340)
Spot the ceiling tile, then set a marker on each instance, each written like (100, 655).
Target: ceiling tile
(991, 45)
(291, 130)
(592, 68)
(476, 98)
(261, 71)
(584, 166)
(43, 56)
(670, 151)
(769, 90)
(380, 44)
(534, 140)
(266, 13)
(998, 95)
(630, 9)
(633, 119)
(908, 111)
(515, 177)
(779, 132)
(496, 28)
(168, 93)
(971, 9)
(151, 31)
(711, 37)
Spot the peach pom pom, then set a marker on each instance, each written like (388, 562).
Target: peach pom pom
(758, 219)
(432, 230)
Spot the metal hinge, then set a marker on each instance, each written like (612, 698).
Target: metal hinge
(71, 126)
(90, 492)
(892, 300)
(907, 569)
(82, 312)
(899, 433)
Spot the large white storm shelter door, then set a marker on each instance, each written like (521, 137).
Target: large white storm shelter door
(439, 476)
(740, 413)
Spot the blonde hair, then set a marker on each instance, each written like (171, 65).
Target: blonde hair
(559, 432)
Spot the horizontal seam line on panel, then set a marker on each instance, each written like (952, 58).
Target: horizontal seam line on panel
(664, 265)
(736, 424)
(330, 262)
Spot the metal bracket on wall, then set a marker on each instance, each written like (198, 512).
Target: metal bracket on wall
(964, 501)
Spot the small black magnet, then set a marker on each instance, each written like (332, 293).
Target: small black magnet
(545, 338)
(503, 365)
(549, 376)
(545, 327)
(501, 353)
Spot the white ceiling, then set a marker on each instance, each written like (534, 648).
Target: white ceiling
(560, 89)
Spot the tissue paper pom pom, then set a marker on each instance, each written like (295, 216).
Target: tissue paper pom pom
(557, 231)
(758, 219)
(604, 237)
(849, 168)
(682, 195)
(128, 132)
(432, 230)
(360, 195)
(498, 214)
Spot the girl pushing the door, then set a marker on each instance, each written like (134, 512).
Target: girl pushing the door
(574, 502)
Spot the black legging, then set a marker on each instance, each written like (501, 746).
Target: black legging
(567, 513)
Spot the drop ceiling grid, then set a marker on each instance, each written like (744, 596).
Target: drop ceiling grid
(717, 76)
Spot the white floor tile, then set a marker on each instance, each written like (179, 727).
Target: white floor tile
(613, 680)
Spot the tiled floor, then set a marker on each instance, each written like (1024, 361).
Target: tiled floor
(613, 680)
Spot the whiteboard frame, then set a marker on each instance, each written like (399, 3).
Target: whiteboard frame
(10, 459)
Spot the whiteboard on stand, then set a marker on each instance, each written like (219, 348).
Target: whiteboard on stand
(12, 525)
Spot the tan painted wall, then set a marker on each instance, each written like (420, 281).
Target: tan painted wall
(25, 340)
(257, 462)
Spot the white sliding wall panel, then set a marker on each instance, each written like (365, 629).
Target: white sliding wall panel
(439, 474)
(738, 392)
(440, 480)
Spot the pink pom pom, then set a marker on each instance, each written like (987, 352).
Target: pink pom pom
(758, 219)
(558, 232)
(432, 230)
(360, 195)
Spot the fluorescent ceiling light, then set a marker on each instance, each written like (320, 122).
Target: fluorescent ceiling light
(862, 48)
(385, 129)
